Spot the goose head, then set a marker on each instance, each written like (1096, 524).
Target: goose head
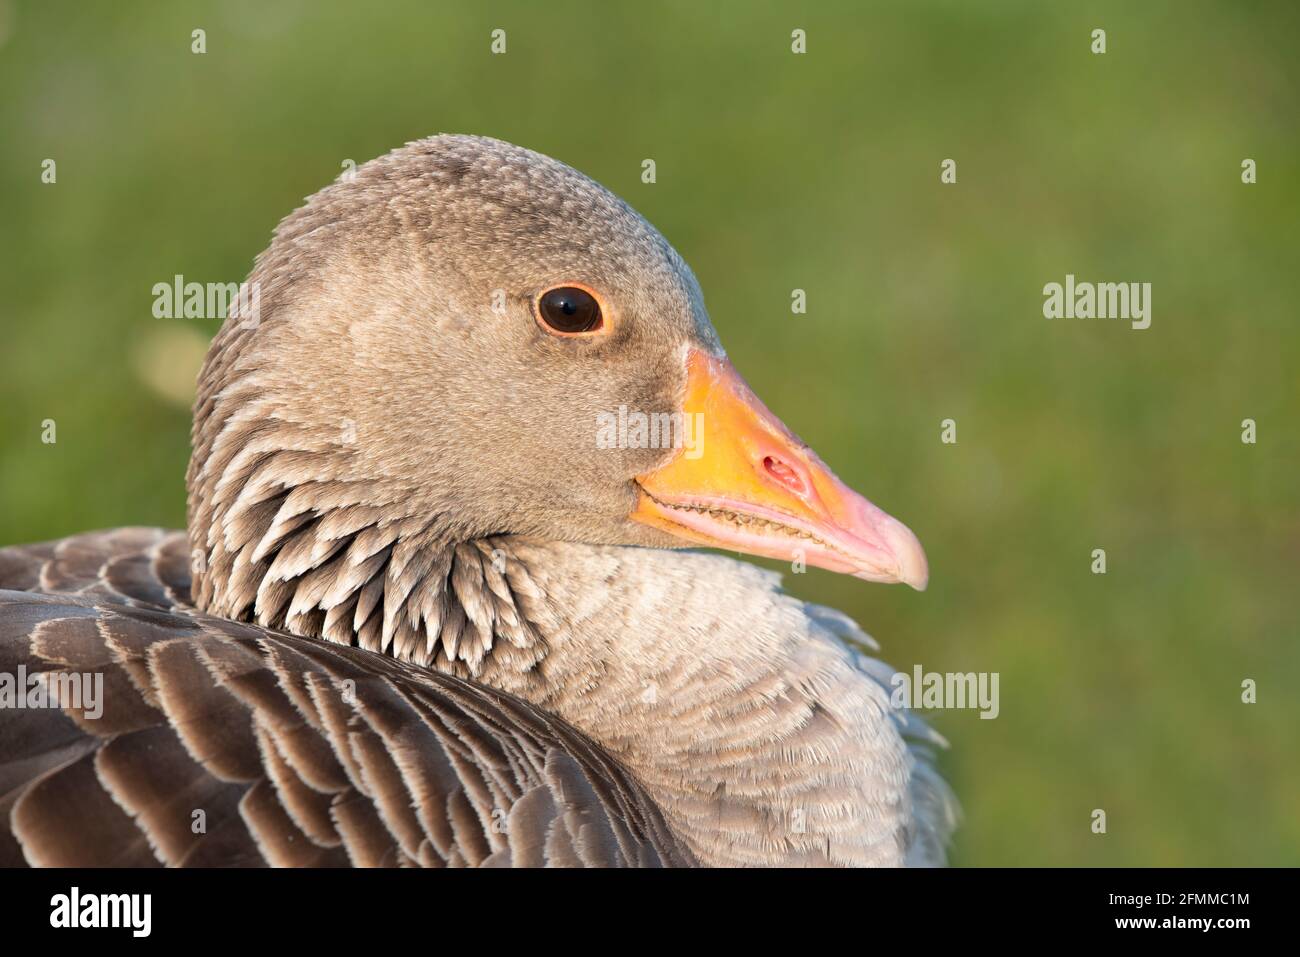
(467, 339)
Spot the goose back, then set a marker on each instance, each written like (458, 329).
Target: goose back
(224, 743)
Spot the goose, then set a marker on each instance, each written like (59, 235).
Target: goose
(424, 615)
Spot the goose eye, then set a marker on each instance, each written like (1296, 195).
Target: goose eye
(569, 310)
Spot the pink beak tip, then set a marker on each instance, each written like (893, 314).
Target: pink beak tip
(912, 567)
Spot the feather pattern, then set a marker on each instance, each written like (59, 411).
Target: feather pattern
(229, 744)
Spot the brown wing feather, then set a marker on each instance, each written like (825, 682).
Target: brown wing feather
(221, 743)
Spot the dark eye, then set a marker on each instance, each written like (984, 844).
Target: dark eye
(568, 309)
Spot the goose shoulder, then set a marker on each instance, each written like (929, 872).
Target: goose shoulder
(223, 743)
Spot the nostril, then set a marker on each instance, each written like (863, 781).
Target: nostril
(786, 474)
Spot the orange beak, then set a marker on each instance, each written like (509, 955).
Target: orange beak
(748, 484)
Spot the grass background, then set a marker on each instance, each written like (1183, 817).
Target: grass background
(778, 171)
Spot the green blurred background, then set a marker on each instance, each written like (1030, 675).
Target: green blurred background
(779, 171)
